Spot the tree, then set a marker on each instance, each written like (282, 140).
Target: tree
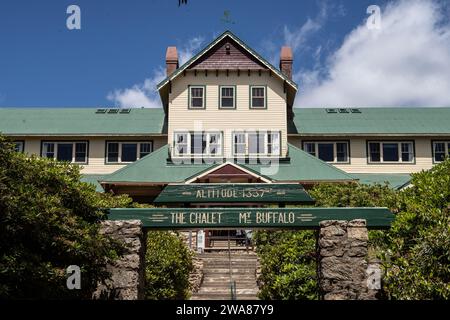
(168, 264)
(416, 251)
(49, 220)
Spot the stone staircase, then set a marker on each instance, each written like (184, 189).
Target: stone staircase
(216, 276)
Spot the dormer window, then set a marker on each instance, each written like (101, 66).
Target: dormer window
(196, 97)
(258, 97)
(227, 97)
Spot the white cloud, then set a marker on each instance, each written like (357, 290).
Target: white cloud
(190, 49)
(297, 39)
(145, 94)
(405, 63)
(140, 95)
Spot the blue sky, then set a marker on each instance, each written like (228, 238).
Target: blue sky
(122, 44)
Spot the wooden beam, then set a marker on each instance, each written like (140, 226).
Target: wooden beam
(257, 192)
(250, 218)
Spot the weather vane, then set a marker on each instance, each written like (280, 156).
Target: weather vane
(226, 17)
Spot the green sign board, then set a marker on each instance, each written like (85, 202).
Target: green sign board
(245, 218)
(238, 193)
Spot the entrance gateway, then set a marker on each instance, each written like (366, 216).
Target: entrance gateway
(342, 232)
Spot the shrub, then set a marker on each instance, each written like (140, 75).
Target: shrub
(168, 264)
(416, 250)
(48, 221)
(288, 265)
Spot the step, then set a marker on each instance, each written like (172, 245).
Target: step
(227, 270)
(239, 285)
(227, 265)
(254, 290)
(209, 296)
(224, 278)
(217, 253)
(225, 254)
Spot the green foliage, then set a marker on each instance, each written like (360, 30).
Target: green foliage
(48, 221)
(356, 195)
(168, 264)
(417, 248)
(353, 195)
(288, 265)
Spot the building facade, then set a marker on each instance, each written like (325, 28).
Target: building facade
(228, 116)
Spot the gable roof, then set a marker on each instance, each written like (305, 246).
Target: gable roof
(371, 121)
(226, 168)
(81, 122)
(227, 55)
(211, 45)
(163, 92)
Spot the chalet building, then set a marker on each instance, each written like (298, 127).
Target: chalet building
(228, 116)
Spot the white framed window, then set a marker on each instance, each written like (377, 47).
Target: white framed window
(239, 144)
(258, 97)
(19, 146)
(257, 143)
(196, 97)
(328, 151)
(273, 143)
(197, 144)
(127, 151)
(227, 98)
(214, 143)
(181, 143)
(390, 151)
(441, 149)
(70, 151)
(145, 148)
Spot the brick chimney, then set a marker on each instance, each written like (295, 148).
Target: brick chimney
(286, 60)
(171, 60)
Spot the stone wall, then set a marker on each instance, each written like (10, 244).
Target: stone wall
(196, 276)
(127, 274)
(343, 263)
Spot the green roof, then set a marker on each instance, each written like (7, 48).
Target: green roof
(395, 181)
(80, 121)
(302, 167)
(94, 179)
(371, 121)
(154, 168)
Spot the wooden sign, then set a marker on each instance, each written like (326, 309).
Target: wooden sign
(239, 193)
(247, 218)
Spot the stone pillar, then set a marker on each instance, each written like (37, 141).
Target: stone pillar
(127, 273)
(343, 260)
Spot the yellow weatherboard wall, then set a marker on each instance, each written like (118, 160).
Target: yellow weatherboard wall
(242, 118)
